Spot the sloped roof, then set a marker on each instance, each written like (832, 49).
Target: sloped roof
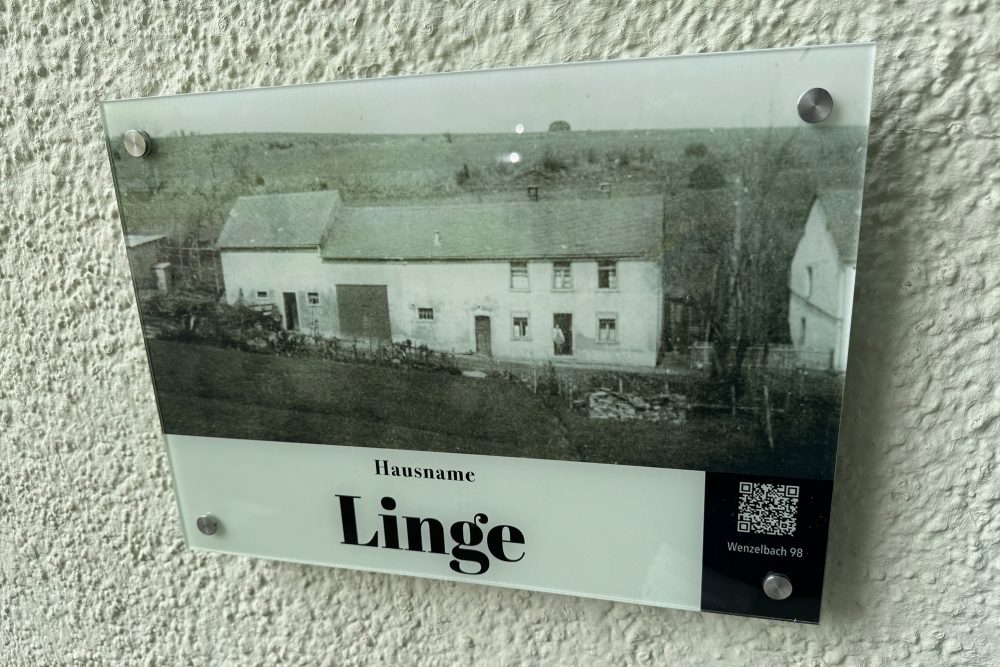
(136, 240)
(556, 228)
(843, 219)
(287, 220)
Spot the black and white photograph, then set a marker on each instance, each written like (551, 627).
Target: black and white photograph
(675, 298)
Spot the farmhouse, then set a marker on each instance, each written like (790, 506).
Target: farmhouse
(536, 279)
(821, 280)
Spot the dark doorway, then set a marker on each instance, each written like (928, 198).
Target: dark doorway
(484, 336)
(291, 311)
(564, 323)
(364, 312)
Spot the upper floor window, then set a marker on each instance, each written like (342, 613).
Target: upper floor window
(607, 274)
(519, 275)
(809, 281)
(312, 298)
(425, 313)
(562, 275)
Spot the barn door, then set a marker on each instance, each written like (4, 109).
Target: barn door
(364, 312)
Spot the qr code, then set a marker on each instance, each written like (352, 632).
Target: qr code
(767, 509)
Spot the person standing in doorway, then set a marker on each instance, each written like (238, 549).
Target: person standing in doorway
(558, 339)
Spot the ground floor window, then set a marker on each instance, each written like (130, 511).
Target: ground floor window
(425, 314)
(521, 327)
(607, 328)
(261, 294)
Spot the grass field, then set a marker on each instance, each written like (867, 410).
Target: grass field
(210, 391)
(189, 184)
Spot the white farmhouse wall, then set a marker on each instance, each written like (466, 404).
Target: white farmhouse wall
(821, 288)
(458, 292)
(93, 570)
(245, 272)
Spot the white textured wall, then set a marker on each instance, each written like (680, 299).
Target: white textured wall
(93, 567)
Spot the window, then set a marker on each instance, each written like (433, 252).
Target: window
(312, 298)
(607, 329)
(809, 281)
(521, 327)
(425, 314)
(562, 276)
(802, 332)
(519, 275)
(607, 275)
(261, 294)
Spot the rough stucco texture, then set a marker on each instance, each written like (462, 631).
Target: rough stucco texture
(93, 569)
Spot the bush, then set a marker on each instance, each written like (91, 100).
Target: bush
(620, 158)
(191, 315)
(706, 177)
(552, 162)
(695, 150)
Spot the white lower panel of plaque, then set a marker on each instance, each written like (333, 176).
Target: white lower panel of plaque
(580, 328)
(673, 538)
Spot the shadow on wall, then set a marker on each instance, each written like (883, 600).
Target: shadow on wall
(878, 318)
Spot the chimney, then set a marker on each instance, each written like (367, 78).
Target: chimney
(605, 189)
(437, 239)
(532, 193)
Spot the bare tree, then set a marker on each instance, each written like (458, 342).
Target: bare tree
(726, 256)
(752, 264)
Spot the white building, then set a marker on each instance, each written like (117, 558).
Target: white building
(821, 280)
(490, 278)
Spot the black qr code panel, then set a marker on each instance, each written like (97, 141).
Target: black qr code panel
(767, 509)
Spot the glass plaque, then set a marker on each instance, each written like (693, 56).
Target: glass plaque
(580, 328)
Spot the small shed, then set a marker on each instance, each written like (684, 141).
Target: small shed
(145, 251)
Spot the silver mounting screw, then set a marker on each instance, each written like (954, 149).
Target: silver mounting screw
(815, 105)
(137, 143)
(208, 524)
(777, 586)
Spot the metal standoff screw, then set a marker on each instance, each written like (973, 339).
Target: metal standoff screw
(777, 586)
(208, 524)
(815, 105)
(137, 143)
